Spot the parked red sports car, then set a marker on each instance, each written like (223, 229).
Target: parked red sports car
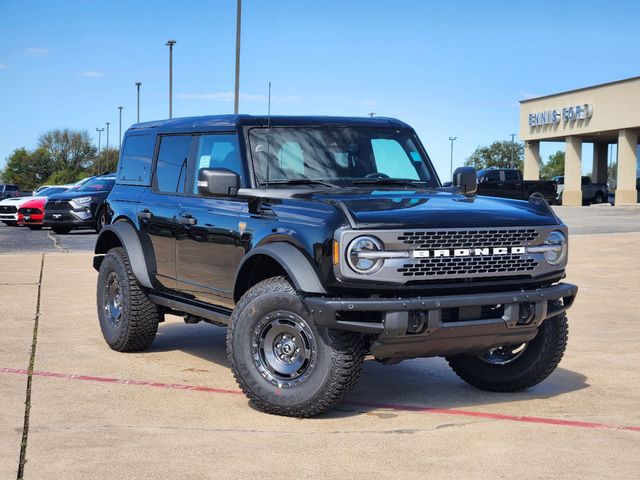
(31, 213)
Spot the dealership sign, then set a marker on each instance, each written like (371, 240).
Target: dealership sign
(566, 115)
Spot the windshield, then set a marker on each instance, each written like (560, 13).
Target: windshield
(97, 185)
(338, 155)
(47, 192)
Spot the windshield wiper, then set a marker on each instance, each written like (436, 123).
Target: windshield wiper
(385, 181)
(299, 181)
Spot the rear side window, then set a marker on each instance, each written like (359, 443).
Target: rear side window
(511, 176)
(171, 168)
(135, 164)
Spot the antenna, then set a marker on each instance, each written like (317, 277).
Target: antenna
(266, 183)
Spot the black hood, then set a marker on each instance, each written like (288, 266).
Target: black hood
(71, 194)
(436, 209)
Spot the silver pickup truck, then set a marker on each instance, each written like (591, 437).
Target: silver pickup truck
(591, 192)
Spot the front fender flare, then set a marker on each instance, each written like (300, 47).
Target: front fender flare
(124, 234)
(298, 268)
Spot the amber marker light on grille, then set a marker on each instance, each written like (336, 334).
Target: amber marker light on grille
(336, 252)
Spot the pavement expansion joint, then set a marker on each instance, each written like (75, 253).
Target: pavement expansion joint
(32, 357)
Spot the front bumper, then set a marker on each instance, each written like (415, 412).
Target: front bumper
(8, 217)
(444, 325)
(68, 218)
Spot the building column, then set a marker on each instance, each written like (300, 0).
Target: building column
(532, 160)
(572, 193)
(600, 163)
(627, 167)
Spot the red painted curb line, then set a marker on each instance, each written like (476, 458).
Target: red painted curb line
(356, 403)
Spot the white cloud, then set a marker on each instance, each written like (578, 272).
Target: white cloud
(36, 51)
(92, 74)
(228, 97)
(3, 66)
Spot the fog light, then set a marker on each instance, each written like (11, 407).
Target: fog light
(527, 313)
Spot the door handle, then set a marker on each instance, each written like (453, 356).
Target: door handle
(187, 219)
(144, 214)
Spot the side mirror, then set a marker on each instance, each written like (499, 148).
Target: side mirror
(447, 184)
(466, 179)
(217, 182)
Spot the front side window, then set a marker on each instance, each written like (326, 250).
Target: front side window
(338, 155)
(489, 175)
(217, 151)
(171, 167)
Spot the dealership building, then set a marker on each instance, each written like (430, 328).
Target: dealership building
(599, 115)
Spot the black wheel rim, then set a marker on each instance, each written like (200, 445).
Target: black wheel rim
(113, 299)
(284, 349)
(503, 355)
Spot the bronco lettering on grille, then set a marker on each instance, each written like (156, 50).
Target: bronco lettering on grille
(468, 252)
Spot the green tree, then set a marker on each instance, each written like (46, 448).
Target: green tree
(71, 153)
(499, 154)
(554, 166)
(28, 169)
(106, 162)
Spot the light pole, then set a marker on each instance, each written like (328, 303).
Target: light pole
(170, 44)
(371, 114)
(513, 136)
(238, 25)
(452, 139)
(138, 87)
(99, 130)
(120, 131)
(107, 150)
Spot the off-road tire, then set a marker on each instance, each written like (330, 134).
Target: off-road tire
(537, 362)
(338, 361)
(61, 230)
(599, 198)
(34, 227)
(139, 319)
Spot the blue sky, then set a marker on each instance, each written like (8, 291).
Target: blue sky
(447, 68)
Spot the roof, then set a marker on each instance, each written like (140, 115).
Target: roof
(231, 122)
(624, 80)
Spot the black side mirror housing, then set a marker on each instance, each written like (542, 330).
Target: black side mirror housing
(466, 179)
(218, 182)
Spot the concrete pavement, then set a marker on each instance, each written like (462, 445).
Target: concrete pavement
(175, 412)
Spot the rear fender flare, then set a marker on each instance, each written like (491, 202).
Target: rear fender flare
(125, 234)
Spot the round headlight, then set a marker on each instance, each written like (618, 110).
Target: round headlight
(357, 257)
(558, 254)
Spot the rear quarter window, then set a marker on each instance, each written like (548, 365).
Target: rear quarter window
(135, 161)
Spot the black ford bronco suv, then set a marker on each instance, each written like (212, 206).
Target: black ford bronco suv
(318, 241)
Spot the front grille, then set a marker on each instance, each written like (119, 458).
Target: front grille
(473, 265)
(58, 206)
(469, 238)
(468, 265)
(30, 211)
(8, 209)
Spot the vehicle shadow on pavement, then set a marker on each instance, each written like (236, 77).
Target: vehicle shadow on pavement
(423, 382)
